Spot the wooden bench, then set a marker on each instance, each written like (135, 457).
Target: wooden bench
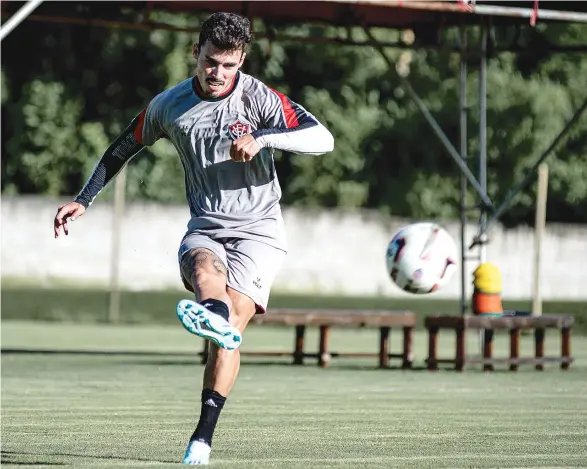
(514, 325)
(325, 319)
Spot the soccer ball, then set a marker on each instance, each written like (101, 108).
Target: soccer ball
(421, 258)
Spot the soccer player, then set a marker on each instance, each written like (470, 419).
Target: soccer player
(225, 125)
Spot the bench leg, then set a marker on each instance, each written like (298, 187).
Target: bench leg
(323, 355)
(432, 349)
(384, 347)
(460, 353)
(205, 351)
(539, 347)
(514, 347)
(566, 346)
(298, 355)
(488, 348)
(407, 352)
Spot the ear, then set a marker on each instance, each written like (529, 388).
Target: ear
(195, 51)
(242, 59)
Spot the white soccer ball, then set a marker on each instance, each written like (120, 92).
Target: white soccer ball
(421, 258)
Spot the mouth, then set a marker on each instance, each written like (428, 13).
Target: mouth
(215, 85)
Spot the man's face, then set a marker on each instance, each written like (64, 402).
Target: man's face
(215, 68)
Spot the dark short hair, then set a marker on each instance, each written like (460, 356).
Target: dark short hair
(226, 31)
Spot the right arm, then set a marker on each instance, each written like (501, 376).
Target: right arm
(141, 132)
(124, 148)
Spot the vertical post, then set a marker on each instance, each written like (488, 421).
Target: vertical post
(483, 133)
(460, 352)
(299, 345)
(119, 189)
(540, 225)
(566, 347)
(432, 348)
(483, 147)
(514, 348)
(488, 350)
(463, 149)
(323, 349)
(407, 348)
(539, 347)
(384, 347)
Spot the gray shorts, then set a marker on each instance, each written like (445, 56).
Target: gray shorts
(251, 265)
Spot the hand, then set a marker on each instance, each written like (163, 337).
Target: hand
(72, 210)
(244, 148)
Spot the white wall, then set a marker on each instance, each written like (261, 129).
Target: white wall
(329, 252)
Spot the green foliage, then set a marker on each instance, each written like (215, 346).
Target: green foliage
(81, 86)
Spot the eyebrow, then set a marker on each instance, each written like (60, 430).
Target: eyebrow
(214, 61)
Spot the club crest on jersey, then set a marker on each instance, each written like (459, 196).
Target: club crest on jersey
(238, 129)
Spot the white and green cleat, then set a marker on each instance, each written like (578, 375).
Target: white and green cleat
(202, 322)
(197, 454)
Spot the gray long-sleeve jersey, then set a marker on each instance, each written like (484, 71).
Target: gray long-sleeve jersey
(226, 199)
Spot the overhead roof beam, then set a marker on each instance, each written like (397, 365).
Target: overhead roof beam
(476, 9)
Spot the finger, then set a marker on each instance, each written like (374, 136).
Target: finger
(78, 212)
(59, 230)
(232, 152)
(237, 155)
(62, 213)
(60, 222)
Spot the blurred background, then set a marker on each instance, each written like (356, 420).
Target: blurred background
(97, 371)
(74, 74)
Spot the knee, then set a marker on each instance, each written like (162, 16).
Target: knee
(241, 312)
(203, 277)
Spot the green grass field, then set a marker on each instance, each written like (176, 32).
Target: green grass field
(128, 396)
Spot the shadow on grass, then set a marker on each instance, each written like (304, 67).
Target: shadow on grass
(190, 359)
(194, 358)
(20, 458)
(137, 353)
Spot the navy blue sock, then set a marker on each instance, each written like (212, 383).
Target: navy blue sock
(212, 404)
(216, 306)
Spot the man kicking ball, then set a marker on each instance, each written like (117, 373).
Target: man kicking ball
(225, 126)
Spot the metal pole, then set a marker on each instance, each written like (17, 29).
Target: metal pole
(18, 17)
(463, 138)
(483, 150)
(483, 135)
(436, 128)
(480, 9)
(529, 174)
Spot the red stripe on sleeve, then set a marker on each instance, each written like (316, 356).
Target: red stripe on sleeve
(291, 120)
(138, 132)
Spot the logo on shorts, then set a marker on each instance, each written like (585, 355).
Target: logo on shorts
(238, 129)
(257, 282)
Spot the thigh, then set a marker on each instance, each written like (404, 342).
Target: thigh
(252, 268)
(197, 248)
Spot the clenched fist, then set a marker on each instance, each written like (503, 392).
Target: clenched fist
(244, 148)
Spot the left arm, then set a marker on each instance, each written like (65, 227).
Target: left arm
(290, 127)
